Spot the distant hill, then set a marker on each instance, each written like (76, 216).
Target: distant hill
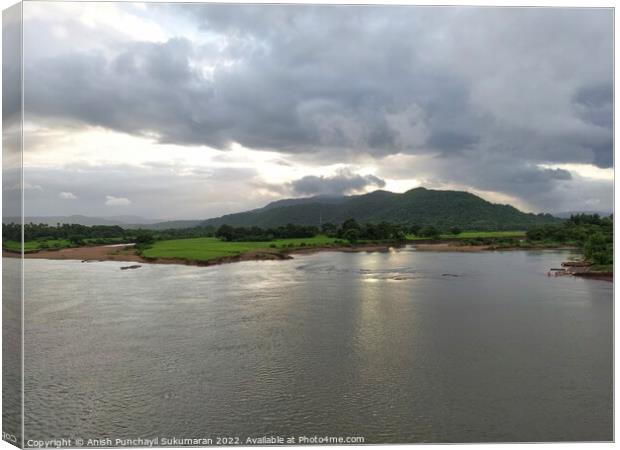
(127, 221)
(76, 219)
(172, 224)
(418, 206)
(567, 214)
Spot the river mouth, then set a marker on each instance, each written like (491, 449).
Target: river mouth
(396, 347)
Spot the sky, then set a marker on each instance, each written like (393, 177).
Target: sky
(192, 111)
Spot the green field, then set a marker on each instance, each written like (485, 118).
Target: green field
(30, 246)
(204, 249)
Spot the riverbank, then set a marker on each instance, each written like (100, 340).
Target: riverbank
(586, 270)
(86, 254)
(458, 246)
(129, 254)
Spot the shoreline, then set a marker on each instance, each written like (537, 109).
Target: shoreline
(128, 254)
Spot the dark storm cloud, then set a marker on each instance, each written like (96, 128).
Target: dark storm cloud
(344, 182)
(500, 174)
(493, 92)
(298, 87)
(145, 88)
(305, 78)
(594, 104)
(11, 67)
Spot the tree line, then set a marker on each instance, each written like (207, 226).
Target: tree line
(80, 234)
(229, 233)
(350, 230)
(594, 234)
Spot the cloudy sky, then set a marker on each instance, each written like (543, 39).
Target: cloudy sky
(193, 111)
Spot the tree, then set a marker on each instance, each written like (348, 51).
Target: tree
(144, 237)
(599, 249)
(455, 230)
(400, 236)
(329, 229)
(352, 235)
(350, 224)
(429, 231)
(225, 232)
(76, 239)
(415, 229)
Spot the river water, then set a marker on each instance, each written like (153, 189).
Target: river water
(395, 347)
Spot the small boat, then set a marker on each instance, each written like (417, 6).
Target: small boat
(135, 266)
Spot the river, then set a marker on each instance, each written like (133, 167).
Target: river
(395, 347)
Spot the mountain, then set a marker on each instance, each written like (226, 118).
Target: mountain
(418, 206)
(323, 199)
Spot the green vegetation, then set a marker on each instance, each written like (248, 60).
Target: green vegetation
(239, 234)
(353, 232)
(43, 236)
(592, 233)
(37, 245)
(204, 249)
(424, 207)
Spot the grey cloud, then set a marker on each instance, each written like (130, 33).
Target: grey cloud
(507, 176)
(594, 104)
(449, 140)
(304, 78)
(491, 91)
(344, 182)
(11, 67)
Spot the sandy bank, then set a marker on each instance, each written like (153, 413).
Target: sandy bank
(97, 253)
(128, 254)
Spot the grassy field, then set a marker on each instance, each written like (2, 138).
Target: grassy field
(475, 234)
(204, 249)
(30, 246)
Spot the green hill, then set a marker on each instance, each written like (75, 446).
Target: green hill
(419, 206)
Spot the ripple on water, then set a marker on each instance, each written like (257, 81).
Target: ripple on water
(436, 348)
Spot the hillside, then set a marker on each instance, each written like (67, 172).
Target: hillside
(418, 206)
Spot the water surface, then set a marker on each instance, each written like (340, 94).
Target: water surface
(396, 347)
